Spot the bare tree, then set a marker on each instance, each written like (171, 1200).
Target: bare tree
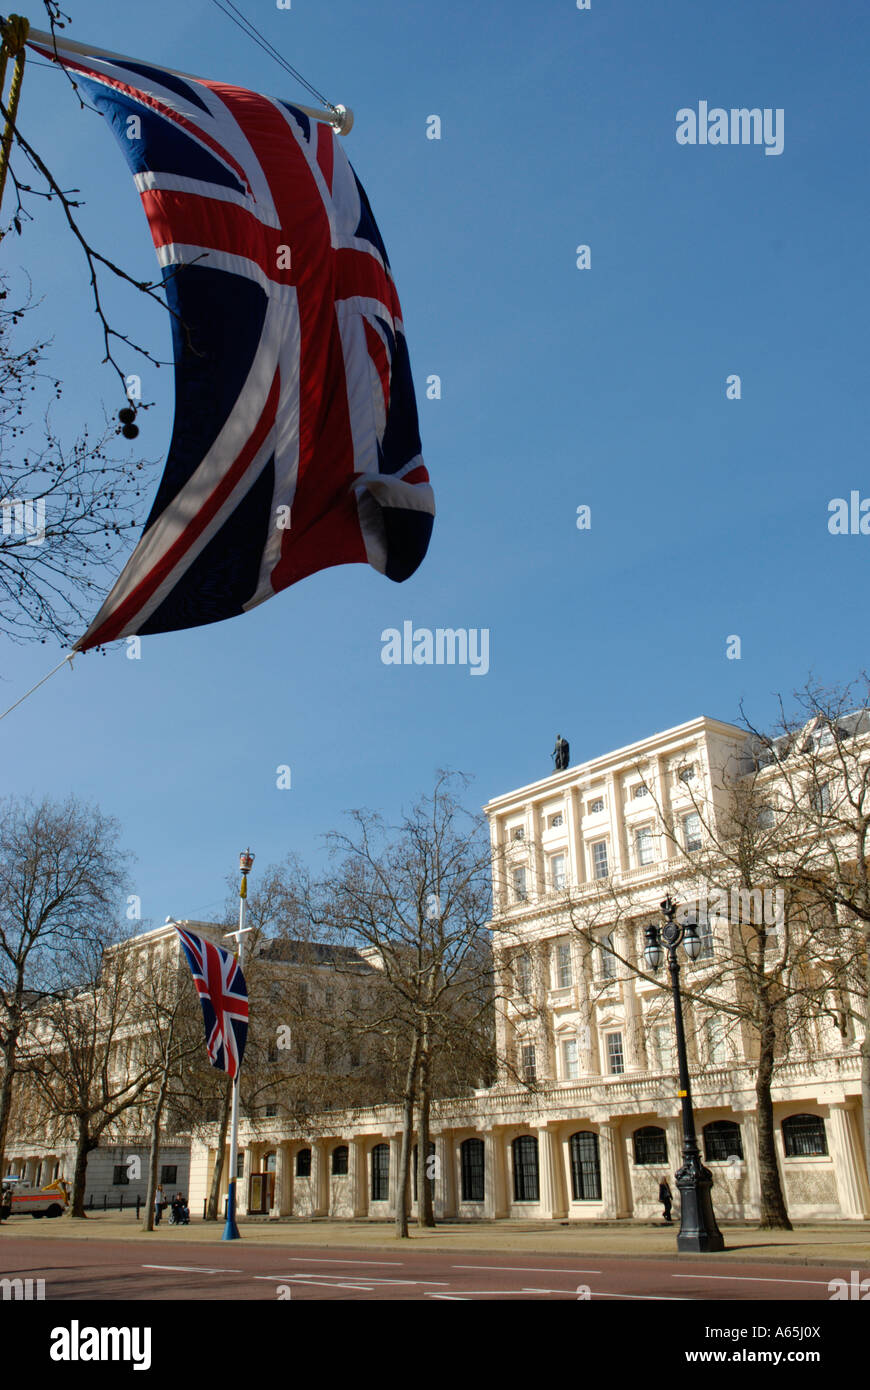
(416, 899)
(61, 872)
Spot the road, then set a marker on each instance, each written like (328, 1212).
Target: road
(163, 1270)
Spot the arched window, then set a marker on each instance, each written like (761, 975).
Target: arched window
(650, 1145)
(722, 1140)
(525, 1152)
(339, 1161)
(381, 1173)
(585, 1166)
(472, 1161)
(804, 1136)
(303, 1163)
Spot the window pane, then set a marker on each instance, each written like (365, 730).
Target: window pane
(528, 1062)
(519, 883)
(472, 1167)
(525, 1154)
(558, 876)
(585, 1167)
(721, 1141)
(599, 859)
(615, 1060)
(572, 1060)
(564, 972)
(804, 1136)
(692, 831)
(303, 1163)
(650, 1145)
(380, 1173)
(339, 1161)
(644, 845)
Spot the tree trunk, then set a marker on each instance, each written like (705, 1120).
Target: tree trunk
(154, 1153)
(214, 1194)
(84, 1145)
(774, 1215)
(425, 1183)
(407, 1133)
(10, 1047)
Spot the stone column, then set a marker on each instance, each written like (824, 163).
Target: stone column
(30, 1167)
(749, 1131)
(554, 1201)
(576, 857)
(496, 1197)
(282, 1199)
(319, 1179)
(848, 1162)
(243, 1186)
(445, 1183)
(395, 1182)
(356, 1168)
(608, 1140)
(617, 861)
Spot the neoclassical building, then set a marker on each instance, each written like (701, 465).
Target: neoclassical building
(584, 1118)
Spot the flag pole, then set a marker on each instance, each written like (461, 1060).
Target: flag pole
(231, 1230)
(339, 117)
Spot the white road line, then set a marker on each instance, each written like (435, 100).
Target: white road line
(451, 1297)
(194, 1269)
(310, 1260)
(317, 1283)
(527, 1269)
(366, 1278)
(751, 1279)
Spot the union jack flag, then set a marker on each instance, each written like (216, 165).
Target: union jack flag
(223, 995)
(296, 443)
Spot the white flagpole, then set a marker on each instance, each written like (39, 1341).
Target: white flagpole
(231, 1230)
(341, 118)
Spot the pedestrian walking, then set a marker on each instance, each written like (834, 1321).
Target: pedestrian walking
(159, 1204)
(666, 1198)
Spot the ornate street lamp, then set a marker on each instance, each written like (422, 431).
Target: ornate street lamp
(698, 1229)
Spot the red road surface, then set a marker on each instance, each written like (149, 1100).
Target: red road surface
(166, 1270)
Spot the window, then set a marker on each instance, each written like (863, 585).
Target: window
(525, 1155)
(271, 1111)
(705, 936)
(472, 1159)
(663, 1047)
(820, 798)
(585, 1167)
(518, 878)
(527, 1062)
(303, 1163)
(643, 843)
(240, 1165)
(523, 973)
(766, 818)
(650, 1145)
(599, 859)
(804, 1136)
(300, 1051)
(564, 972)
(717, 1051)
(606, 958)
(571, 1059)
(272, 1054)
(556, 821)
(120, 1175)
(329, 1000)
(339, 1161)
(722, 1140)
(518, 832)
(380, 1173)
(615, 1059)
(692, 832)
(640, 791)
(687, 773)
(558, 877)
(596, 806)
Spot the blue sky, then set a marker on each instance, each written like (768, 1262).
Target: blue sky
(560, 387)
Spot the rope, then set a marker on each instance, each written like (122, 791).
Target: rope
(249, 28)
(69, 656)
(15, 30)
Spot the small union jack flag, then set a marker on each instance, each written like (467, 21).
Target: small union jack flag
(223, 995)
(296, 443)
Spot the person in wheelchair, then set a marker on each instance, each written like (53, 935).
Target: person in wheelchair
(179, 1214)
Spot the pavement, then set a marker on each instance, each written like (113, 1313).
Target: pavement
(845, 1244)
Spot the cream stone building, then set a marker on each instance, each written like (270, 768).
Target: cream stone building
(584, 1118)
(594, 1120)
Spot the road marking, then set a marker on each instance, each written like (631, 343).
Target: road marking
(528, 1269)
(366, 1278)
(750, 1279)
(310, 1260)
(452, 1297)
(194, 1269)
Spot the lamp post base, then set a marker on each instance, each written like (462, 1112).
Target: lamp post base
(698, 1229)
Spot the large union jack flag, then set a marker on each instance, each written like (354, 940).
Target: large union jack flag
(296, 443)
(223, 995)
